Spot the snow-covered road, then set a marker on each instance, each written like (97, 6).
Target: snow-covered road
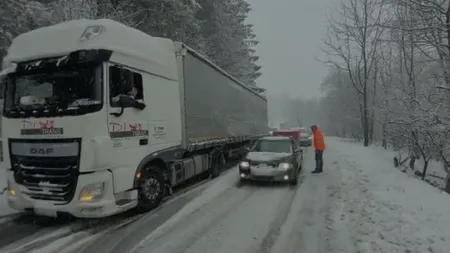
(360, 204)
(255, 218)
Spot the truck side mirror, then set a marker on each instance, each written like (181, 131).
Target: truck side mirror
(129, 101)
(139, 105)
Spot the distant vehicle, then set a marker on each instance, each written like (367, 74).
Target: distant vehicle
(295, 134)
(305, 137)
(302, 135)
(272, 158)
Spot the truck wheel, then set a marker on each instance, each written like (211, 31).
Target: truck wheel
(151, 189)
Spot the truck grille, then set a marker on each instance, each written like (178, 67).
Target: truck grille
(46, 176)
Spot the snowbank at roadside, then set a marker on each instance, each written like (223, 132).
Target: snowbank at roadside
(4, 208)
(388, 210)
(435, 172)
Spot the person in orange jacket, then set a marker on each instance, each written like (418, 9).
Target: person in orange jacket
(319, 146)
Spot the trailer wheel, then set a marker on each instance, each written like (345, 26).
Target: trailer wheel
(216, 166)
(151, 189)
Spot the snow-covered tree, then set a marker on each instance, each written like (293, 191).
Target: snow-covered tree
(230, 41)
(406, 73)
(214, 28)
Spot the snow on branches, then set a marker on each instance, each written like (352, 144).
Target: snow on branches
(391, 60)
(215, 28)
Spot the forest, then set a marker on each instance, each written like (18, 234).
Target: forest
(216, 28)
(389, 80)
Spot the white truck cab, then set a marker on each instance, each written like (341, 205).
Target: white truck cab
(71, 144)
(100, 118)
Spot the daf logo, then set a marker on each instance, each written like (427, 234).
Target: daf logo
(41, 151)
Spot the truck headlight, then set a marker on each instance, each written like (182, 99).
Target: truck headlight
(285, 166)
(11, 190)
(92, 192)
(244, 165)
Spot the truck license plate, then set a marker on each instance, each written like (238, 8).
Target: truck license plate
(45, 208)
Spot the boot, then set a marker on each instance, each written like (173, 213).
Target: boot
(316, 171)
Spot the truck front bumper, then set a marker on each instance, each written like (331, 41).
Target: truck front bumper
(102, 207)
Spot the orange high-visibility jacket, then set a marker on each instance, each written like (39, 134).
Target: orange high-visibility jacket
(319, 142)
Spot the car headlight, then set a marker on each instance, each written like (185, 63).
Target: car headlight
(244, 165)
(92, 192)
(285, 166)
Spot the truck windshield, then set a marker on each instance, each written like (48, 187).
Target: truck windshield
(71, 91)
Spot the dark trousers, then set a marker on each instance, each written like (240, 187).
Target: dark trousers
(319, 160)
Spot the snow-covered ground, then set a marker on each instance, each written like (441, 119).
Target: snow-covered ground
(435, 173)
(388, 210)
(360, 204)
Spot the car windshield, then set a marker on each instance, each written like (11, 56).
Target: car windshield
(305, 131)
(66, 91)
(273, 146)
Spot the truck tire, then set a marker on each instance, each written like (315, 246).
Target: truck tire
(151, 189)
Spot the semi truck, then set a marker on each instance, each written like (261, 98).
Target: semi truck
(100, 118)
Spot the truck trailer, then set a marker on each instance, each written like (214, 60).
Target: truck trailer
(100, 118)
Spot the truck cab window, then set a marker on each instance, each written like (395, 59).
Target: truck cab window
(124, 82)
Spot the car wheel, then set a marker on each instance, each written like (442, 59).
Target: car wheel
(294, 181)
(241, 182)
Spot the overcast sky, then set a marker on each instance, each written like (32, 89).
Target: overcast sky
(290, 34)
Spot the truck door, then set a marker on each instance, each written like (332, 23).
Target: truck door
(127, 123)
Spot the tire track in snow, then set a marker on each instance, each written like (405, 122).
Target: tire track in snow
(207, 217)
(26, 226)
(119, 239)
(24, 232)
(273, 234)
(302, 229)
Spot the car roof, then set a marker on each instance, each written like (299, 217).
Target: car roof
(276, 138)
